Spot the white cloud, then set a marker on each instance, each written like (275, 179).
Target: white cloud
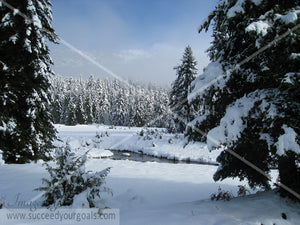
(154, 63)
(132, 54)
(148, 53)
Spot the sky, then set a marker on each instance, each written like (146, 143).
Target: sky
(137, 39)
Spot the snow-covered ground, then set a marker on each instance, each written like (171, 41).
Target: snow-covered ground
(150, 141)
(149, 192)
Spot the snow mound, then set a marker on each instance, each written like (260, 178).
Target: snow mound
(237, 8)
(212, 75)
(260, 27)
(154, 142)
(256, 2)
(287, 141)
(99, 153)
(291, 17)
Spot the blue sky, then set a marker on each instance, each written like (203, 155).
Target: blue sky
(140, 39)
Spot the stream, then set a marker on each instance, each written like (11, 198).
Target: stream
(140, 157)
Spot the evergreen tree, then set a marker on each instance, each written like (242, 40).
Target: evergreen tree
(186, 73)
(108, 102)
(71, 118)
(257, 103)
(69, 179)
(26, 131)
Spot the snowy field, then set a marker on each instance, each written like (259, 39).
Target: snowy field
(150, 141)
(151, 192)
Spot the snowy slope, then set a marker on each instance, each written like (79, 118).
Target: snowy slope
(154, 193)
(149, 193)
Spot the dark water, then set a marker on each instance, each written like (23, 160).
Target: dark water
(140, 157)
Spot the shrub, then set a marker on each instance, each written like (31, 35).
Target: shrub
(69, 179)
(221, 195)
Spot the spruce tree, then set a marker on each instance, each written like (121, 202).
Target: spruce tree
(186, 73)
(258, 101)
(26, 130)
(69, 179)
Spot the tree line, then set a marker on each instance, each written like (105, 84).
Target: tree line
(108, 101)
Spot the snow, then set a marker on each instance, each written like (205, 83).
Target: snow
(154, 142)
(1, 160)
(99, 153)
(269, 108)
(198, 119)
(147, 193)
(260, 27)
(16, 11)
(6, 20)
(210, 77)
(237, 8)
(267, 137)
(5, 68)
(80, 201)
(35, 20)
(6, 17)
(231, 124)
(287, 141)
(28, 31)
(295, 55)
(290, 78)
(291, 17)
(10, 125)
(256, 2)
(14, 38)
(27, 45)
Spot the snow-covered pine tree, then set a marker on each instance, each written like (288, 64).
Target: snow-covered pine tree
(70, 110)
(259, 108)
(161, 108)
(186, 73)
(26, 131)
(107, 101)
(69, 179)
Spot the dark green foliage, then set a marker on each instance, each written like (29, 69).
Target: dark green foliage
(221, 195)
(254, 151)
(289, 173)
(65, 180)
(211, 106)
(26, 130)
(268, 84)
